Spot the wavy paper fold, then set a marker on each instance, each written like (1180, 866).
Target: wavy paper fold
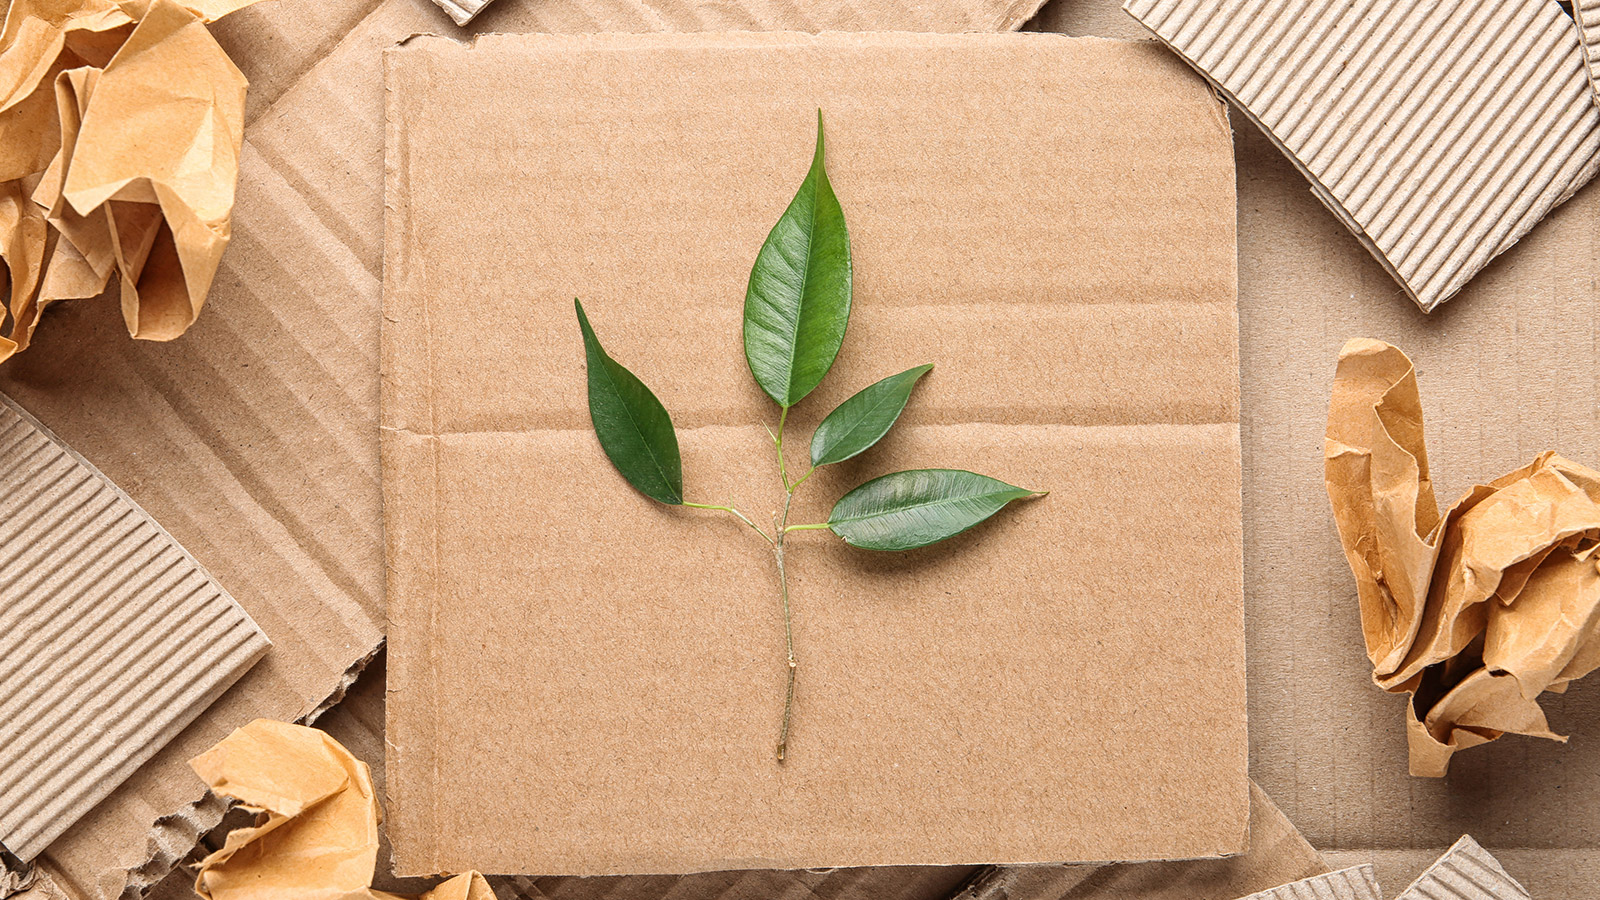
(1474, 613)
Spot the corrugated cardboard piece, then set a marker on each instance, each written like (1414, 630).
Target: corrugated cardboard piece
(1440, 133)
(1086, 673)
(112, 637)
(1356, 883)
(254, 438)
(1466, 872)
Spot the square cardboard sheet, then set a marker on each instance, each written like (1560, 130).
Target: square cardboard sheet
(1065, 683)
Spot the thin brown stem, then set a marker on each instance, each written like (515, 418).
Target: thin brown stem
(779, 527)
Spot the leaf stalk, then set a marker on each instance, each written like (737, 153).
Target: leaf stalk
(728, 509)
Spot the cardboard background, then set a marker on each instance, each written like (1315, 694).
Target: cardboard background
(1076, 661)
(1325, 742)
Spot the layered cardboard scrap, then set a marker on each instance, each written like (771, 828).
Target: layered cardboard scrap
(941, 687)
(1465, 872)
(120, 131)
(1439, 133)
(1474, 613)
(317, 838)
(1355, 883)
(112, 637)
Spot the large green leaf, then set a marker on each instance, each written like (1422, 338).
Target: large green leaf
(864, 419)
(633, 426)
(906, 510)
(798, 302)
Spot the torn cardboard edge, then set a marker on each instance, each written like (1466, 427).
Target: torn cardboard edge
(1367, 100)
(125, 636)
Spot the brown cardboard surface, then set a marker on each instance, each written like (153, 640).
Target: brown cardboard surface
(1510, 365)
(253, 452)
(1327, 745)
(993, 700)
(254, 438)
(112, 637)
(1439, 132)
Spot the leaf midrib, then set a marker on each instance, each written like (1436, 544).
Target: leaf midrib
(924, 505)
(850, 431)
(800, 301)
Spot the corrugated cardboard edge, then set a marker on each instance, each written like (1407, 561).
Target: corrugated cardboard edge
(174, 837)
(246, 646)
(1465, 872)
(1356, 883)
(1586, 15)
(1191, 32)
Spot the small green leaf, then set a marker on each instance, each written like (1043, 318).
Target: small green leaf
(797, 306)
(864, 419)
(906, 510)
(633, 427)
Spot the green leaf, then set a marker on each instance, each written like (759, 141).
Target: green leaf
(864, 419)
(798, 303)
(906, 510)
(633, 426)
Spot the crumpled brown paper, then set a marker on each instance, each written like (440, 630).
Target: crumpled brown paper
(319, 836)
(1473, 613)
(121, 125)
